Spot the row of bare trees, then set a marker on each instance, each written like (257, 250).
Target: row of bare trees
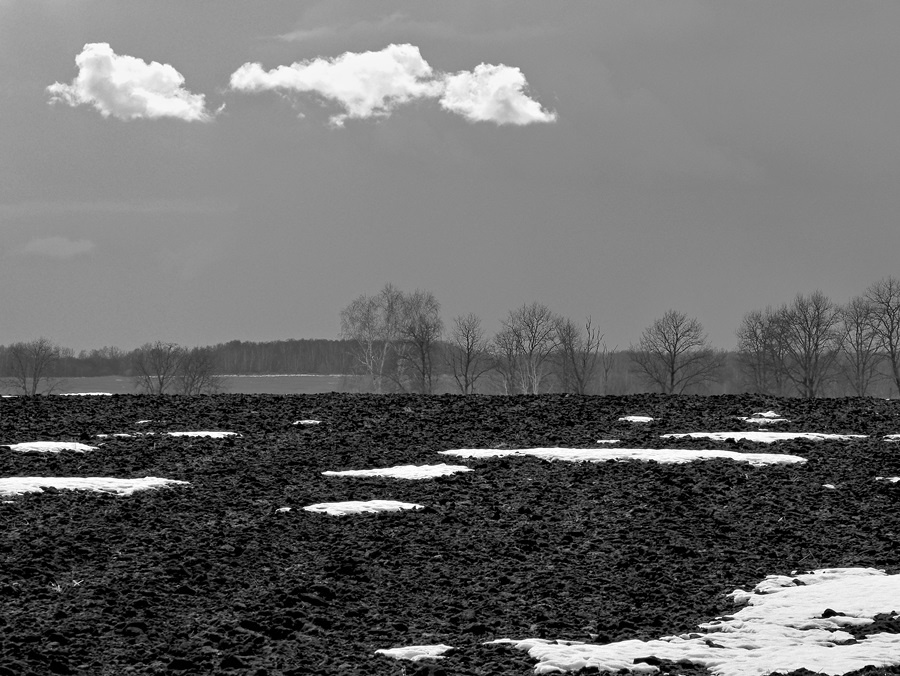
(399, 342)
(31, 368)
(813, 344)
(809, 347)
(395, 336)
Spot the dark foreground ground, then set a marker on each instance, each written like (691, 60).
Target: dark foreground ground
(210, 579)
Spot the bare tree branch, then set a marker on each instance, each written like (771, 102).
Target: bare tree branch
(859, 346)
(421, 328)
(467, 353)
(526, 343)
(674, 353)
(811, 335)
(884, 297)
(156, 366)
(579, 352)
(197, 372)
(31, 366)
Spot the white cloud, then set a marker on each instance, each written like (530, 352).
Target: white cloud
(55, 247)
(128, 88)
(366, 84)
(373, 84)
(493, 94)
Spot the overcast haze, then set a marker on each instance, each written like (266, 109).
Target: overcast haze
(205, 171)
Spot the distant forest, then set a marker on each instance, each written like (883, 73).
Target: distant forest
(236, 357)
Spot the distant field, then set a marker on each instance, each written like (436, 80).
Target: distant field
(269, 384)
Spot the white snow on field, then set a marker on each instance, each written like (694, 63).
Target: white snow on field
(892, 479)
(33, 484)
(764, 418)
(608, 441)
(405, 471)
(892, 437)
(50, 447)
(307, 422)
(142, 422)
(663, 455)
(360, 507)
(636, 418)
(211, 435)
(781, 628)
(416, 652)
(762, 437)
(86, 394)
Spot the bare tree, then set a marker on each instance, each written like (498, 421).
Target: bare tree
(197, 372)
(579, 352)
(607, 358)
(505, 360)
(761, 351)
(373, 324)
(421, 328)
(31, 366)
(532, 329)
(156, 366)
(674, 353)
(467, 353)
(884, 298)
(811, 334)
(859, 346)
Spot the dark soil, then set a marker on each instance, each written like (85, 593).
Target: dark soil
(211, 579)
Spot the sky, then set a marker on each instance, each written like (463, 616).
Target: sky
(203, 171)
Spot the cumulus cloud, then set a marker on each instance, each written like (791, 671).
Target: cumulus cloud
(56, 247)
(128, 88)
(366, 84)
(492, 94)
(373, 84)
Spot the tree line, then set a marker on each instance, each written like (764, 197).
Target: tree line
(40, 365)
(396, 341)
(809, 347)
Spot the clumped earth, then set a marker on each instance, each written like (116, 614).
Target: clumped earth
(213, 579)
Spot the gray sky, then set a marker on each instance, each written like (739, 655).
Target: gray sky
(213, 170)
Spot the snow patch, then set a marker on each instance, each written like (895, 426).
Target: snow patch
(785, 626)
(211, 435)
(50, 447)
(763, 437)
(307, 422)
(763, 418)
(404, 471)
(662, 455)
(636, 418)
(416, 652)
(34, 484)
(86, 394)
(360, 507)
